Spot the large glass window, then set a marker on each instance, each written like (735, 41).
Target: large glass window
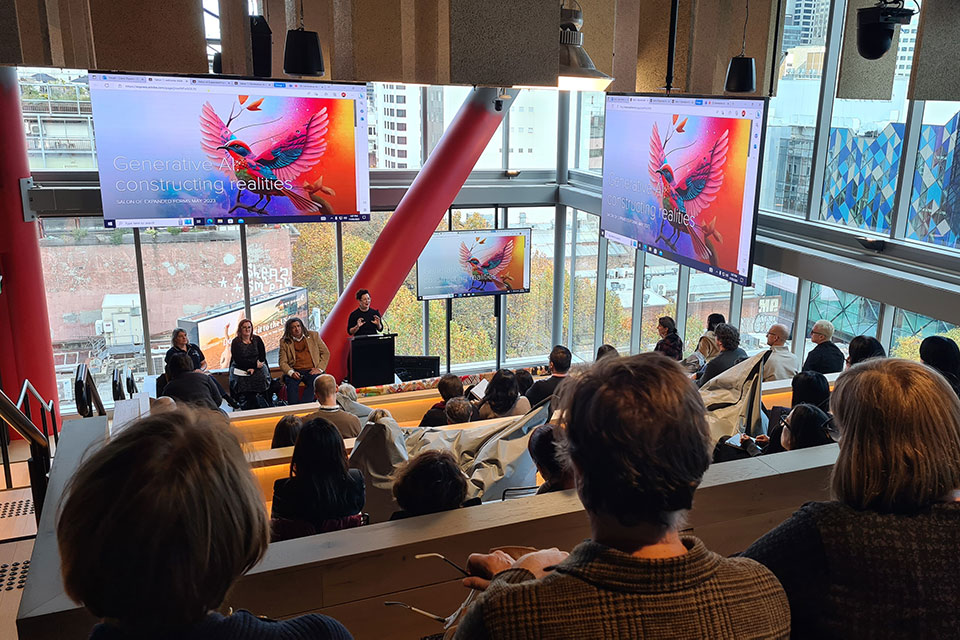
(909, 330)
(194, 277)
(934, 215)
(850, 314)
(386, 149)
(791, 122)
(771, 300)
(57, 118)
(443, 103)
(661, 280)
(530, 315)
(707, 294)
(473, 327)
(533, 130)
(584, 267)
(93, 302)
(863, 154)
(618, 303)
(590, 151)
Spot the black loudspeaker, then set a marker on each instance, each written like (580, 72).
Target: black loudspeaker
(218, 62)
(262, 45)
(301, 53)
(417, 367)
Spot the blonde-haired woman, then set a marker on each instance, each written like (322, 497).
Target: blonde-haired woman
(879, 561)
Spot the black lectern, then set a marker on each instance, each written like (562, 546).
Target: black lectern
(371, 360)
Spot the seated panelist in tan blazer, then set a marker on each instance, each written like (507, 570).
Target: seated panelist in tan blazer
(303, 357)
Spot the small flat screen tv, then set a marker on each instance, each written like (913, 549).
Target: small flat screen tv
(205, 150)
(477, 262)
(681, 178)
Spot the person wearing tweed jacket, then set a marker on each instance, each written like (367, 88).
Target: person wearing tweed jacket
(638, 444)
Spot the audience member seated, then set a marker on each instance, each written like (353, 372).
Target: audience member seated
(450, 386)
(808, 387)
(321, 490)
(325, 389)
(187, 386)
(303, 356)
(248, 357)
(524, 380)
(826, 357)
(503, 397)
(607, 350)
(379, 416)
(542, 446)
(431, 482)
(862, 348)
(782, 363)
(707, 346)
(560, 360)
(942, 353)
(728, 337)
(458, 410)
(347, 400)
(805, 426)
(286, 432)
(156, 527)
(637, 577)
(879, 560)
(670, 343)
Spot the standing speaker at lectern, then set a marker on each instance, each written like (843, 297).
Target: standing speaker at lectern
(364, 321)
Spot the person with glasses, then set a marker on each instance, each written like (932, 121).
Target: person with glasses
(805, 426)
(782, 363)
(826, 357)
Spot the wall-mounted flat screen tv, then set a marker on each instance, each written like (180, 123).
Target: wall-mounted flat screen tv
(205, 150)
(681, 178)
(477, 262)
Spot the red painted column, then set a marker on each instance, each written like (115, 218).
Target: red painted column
(416, 218)
(26, 352)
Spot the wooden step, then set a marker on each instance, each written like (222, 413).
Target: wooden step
(17, 519)
(11, 586)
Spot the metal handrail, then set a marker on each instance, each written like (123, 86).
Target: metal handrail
(117, 386)
(23, 404)
(86, 395)
(39, 462)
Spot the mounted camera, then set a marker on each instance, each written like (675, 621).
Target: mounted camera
(875, 26)
(498, 104)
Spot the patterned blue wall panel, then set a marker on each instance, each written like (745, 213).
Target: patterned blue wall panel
(935, 203)
(861, 178)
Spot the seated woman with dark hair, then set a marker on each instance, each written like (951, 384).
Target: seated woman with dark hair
(879, 560)
(286, 432)
(322, 491)
(156, 527)
(670, 343)
(431, 482)
(524, 380)
(805, 426)
(607, 350)
(942, 353)
(862, 348)
(637, 577)
(542, 446)
(503, 397)
(809, 387)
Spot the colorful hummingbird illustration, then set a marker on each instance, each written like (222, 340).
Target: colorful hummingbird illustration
(686, 196)
(489, 268)
(270, 173)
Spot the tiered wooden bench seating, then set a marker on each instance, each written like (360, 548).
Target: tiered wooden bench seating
(349, 574)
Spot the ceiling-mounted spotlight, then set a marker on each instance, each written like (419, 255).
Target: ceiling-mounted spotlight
(301, 52)
(577, 71)
(742, 70)
(875, 26)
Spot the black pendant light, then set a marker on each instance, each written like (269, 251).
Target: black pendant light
(301, 52)
(742, 70)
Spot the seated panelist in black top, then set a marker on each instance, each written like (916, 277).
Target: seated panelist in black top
(180, 343)
(364, 320)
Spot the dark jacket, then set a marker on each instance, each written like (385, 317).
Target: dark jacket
(436, 416)
(826, 357)
(243, 625)
(671, 346)
(866, 574)
(542, 389)
(599, 592)
(194, 388)
(721, 363)
(246, 364)
(192, 350)
(296, 500)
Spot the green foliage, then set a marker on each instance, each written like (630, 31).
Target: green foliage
(116, 236)
(909, 346)
(78, 234)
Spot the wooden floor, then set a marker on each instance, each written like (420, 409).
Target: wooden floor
(14, 567)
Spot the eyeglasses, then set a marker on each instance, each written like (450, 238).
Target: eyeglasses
(817, 333)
